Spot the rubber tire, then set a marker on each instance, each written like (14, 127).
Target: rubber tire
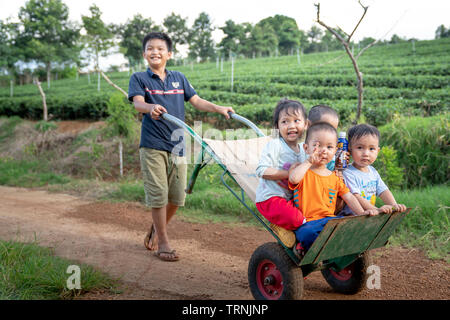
(357, 280)
(291, 274)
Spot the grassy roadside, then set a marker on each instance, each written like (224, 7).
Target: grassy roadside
(24, 173)
(425, 227)
(30, 272)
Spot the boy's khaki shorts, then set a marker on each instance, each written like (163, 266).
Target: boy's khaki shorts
(164, 177)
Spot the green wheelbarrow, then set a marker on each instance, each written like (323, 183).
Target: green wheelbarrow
(275, 270)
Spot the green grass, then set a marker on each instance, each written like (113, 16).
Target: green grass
(22, 173)
(7, 126)
(427, 225)
(30, 272)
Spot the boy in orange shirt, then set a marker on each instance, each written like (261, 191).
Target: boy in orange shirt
(316, 188)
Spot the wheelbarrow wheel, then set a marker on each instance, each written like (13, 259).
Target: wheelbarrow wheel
(351, 279)
(272, 275)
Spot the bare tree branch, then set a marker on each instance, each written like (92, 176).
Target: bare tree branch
(350, 54)
(112, 83)
(365, 48)
(331, 61)
(339, 28)
(334, 32)
(376, 41)
(357, 25)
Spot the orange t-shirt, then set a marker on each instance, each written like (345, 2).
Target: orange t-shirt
(316, 195)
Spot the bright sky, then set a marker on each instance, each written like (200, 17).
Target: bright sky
(406, 18)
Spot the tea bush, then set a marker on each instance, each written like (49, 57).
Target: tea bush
(422, 146)
(388, 168)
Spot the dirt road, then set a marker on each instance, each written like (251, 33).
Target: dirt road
(214, 258)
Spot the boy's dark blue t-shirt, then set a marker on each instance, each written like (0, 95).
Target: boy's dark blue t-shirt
(171, 94)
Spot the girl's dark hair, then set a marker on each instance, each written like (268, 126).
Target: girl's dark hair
(361, 130)
(320, 126)
(290, 106)
(157, 35)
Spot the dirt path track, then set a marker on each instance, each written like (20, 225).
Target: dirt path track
(214, 257)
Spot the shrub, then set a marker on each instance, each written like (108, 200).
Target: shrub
(44, 126)
(422, 145)
(387, 166)
(121, 115)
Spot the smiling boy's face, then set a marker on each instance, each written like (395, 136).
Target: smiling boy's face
(325, 142)
(156, 53)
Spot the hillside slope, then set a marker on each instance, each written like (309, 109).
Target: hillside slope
(397, 79)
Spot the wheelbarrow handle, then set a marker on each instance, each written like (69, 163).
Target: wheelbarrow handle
(247, 122)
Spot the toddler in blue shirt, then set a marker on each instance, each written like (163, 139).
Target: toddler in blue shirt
(360, 177)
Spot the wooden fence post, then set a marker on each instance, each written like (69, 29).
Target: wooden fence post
(36, 81)
(232, 73)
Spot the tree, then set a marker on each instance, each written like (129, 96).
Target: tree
(442, 32)
(233, 33)
(244, 39)
(288, 36)
(396, 39)
(48, 35)
(314, 35)
(98, 36)
(346, 43)
(286, 31)
(256, 40)
(201, 44)
(303, 39)
(330, 42)
(366, 41)
(131, 35)
(267, 37)
(176, 29)
(10, 53)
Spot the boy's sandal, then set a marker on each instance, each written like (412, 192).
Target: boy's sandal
(167, 255)
(286, 236)
(149, 236)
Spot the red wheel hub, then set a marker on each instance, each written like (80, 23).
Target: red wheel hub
(343, 275)
(269, 280)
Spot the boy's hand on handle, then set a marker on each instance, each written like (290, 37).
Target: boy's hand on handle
(157, 111)
(225, 111)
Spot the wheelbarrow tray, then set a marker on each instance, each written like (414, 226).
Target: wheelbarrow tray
(350, 236)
